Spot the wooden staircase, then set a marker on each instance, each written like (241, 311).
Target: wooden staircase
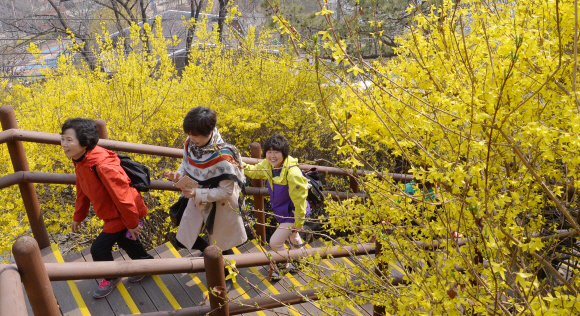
(176, 291)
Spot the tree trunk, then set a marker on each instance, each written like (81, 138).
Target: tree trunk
(195, 8)
(83, 49)
(144, 20)
(222, 17)
(120, 28)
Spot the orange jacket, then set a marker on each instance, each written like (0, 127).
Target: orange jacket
(114, 200)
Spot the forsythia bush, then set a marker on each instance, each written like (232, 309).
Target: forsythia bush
(481, 104)
(143, 100)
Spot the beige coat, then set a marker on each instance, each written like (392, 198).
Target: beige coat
(228, 228)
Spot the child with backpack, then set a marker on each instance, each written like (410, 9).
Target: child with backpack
(102, 182)
(288, 192)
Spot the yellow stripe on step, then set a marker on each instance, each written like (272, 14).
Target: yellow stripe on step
(246, 296)
(327, 262)
(202, 286)
(128, 299)
(392, 265)
(166, 292)
(73, 287)
(348, 261)
(192, 275)
(266, 283)
(290, 277)
(396, 266)
(287, 275)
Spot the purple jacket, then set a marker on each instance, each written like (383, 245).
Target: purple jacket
(282, 205)
(289, 191)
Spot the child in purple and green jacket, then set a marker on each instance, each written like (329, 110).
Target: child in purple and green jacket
(288, 191)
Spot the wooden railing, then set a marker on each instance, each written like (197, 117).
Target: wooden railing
(25, 178)
(12, 301)
(36, 275)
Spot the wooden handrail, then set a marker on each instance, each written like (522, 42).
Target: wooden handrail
(115, 269)
(12, 301)
(34, 277)
(25, 179)
(96, 270)
(115, 145)
(22, 176)
(20, 163)
(66, 178)
(247, 305)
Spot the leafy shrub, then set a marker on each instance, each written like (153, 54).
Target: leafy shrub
(481, 104)
(143, 100)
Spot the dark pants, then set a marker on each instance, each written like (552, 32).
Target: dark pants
(102, 247)
(200, 244)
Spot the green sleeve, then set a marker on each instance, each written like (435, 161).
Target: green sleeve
(298, 189)
(257, 171)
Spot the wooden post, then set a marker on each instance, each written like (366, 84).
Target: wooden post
(216, 281)
(34, 277)
(256, 151)
(353, 183)
(102, 128)
(12, 301)
(27, 191)
(378, 310)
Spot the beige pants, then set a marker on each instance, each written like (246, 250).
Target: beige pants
(281, 234)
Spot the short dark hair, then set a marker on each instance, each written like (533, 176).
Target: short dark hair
(199, 121)
(86, 130)
(278, 143)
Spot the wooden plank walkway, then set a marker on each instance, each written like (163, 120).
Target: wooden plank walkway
(176, 291)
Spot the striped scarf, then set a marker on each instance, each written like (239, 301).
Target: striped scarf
(215, 161)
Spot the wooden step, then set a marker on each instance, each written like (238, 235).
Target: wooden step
(151, 294)
(176, 291)
(290, 283)
(66, 292)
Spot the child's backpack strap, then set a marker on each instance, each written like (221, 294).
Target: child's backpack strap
(315, 186)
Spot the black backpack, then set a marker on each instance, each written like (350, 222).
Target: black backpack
(315, 187)
(176, 210)
(138, 173)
